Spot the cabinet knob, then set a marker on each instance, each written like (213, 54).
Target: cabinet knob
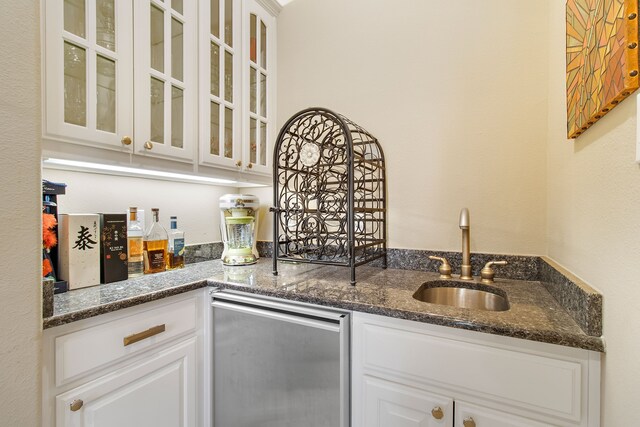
(148, 145)
(76, 405)
(239, 163)
(437, 413)
(250, 165)
(126, 140)
(468, 422)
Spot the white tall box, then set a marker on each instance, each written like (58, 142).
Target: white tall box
(79, 249)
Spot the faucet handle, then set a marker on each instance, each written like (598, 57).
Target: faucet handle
(487, 273)
(445, 267)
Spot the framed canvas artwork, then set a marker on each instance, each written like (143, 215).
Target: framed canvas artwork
(602, 59)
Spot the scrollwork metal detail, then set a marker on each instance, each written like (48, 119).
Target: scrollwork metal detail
(329, 192)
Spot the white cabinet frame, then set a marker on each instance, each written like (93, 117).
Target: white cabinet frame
(53, 38)
(253, 7)
(205, 39)
(143, 73)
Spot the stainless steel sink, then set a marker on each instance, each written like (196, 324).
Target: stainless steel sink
(463, 295)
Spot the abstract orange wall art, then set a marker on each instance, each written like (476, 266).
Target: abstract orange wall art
(602, 59)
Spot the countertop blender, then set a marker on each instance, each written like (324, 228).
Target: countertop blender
(239, 226)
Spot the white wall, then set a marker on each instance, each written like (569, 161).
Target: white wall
(195, 205)
(20, 251)
(594, 224)
(456, 91)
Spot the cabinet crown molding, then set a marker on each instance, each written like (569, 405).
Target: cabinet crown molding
(272, 6)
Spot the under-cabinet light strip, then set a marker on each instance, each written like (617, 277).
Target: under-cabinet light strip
(136, 171)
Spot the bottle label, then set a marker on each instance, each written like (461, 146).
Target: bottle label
(156, 259)
(178, 247)
(135, 249)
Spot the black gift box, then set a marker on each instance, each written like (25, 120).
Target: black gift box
(113, 248)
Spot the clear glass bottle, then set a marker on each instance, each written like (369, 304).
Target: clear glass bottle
(135, 248)
(155, 246)
(176, 246)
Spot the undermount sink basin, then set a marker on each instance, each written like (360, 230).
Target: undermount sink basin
(463, 295)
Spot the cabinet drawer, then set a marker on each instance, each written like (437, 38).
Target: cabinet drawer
(80, 352)
(547, 385)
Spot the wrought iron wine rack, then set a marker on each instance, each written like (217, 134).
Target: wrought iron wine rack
(329, 192)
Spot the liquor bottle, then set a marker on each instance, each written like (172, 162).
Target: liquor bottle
(155, 246)
(176, 246)
(135, 247)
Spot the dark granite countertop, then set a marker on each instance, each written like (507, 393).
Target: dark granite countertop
(533, 315)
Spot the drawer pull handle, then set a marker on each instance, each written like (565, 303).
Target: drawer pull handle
(143, 335)
(469, 422)
(76, 405)
(437, 413)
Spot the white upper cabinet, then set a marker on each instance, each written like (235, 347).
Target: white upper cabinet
(166, 78)
(180, 80)
(258, 71)
(88, 72)
(237, 80)
(220, 83)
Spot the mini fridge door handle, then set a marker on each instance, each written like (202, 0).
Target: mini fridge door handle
(299, 319)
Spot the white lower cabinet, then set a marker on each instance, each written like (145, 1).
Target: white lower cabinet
(159, 392)
(467, 415)
(407, 373)
(141, 366)
(388, 404)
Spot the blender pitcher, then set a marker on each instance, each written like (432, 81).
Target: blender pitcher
(239, 225)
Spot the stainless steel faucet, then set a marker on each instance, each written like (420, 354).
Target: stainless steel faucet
(465, 269)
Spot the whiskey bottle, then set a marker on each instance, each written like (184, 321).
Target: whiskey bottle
(176, 246)
(155, 246)
(134, 245)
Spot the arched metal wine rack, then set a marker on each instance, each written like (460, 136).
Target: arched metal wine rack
(329, 192)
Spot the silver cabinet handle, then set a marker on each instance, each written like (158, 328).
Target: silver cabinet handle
(278, 316)
(139, 336)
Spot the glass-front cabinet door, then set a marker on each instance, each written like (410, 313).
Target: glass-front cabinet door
(237, 73)
(220, 83)
(166, 79)
(259, 79)
(88, 72)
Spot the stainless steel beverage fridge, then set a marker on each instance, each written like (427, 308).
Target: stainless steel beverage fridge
(278, 363)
